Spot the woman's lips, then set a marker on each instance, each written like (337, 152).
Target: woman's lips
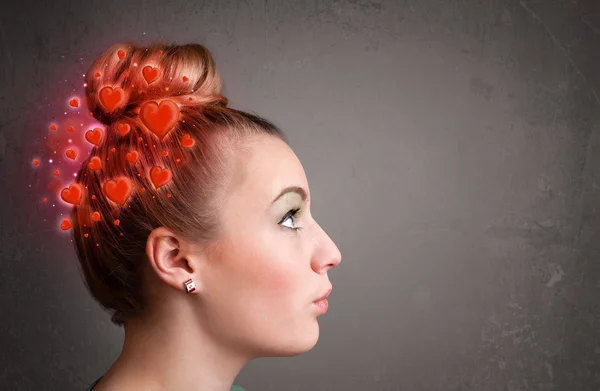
(325, 295)
(322, 305)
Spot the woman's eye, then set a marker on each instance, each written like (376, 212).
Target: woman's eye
(290, 215)
(289, 218)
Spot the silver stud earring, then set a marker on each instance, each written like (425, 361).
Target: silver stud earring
(190, 285)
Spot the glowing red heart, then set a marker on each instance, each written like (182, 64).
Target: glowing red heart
(187, 141)
(66, 224)
(95, 163)
(123, 128)
(111, 98)
(97, 74)
(159, 119)
(56, 172)
(53, 127)
(94, 136)
(71, 128)
(74, 102)
(96, 216)
(132, 156)
(160, 176)
(185, 79)
(36, 162)
(71, 153)
(72, 194)
(121, 54)
(118, 190)
(150, 73)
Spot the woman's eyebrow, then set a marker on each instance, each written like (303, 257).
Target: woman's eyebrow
(295, 189)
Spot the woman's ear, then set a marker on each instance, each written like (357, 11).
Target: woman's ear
(168, 257)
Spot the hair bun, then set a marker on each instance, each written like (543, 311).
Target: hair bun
(125, 75)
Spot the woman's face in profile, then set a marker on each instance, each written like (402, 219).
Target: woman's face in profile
(260, 291)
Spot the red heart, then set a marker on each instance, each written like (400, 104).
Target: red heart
(94, 136)
(150, 73)
(74, 102)
(53, 127)
(111, 98)
(187, 141)
(72, 194)
(185, 78)
(96, 216)
(123, 128)
(36, 162)
(118, 190)
(95, 163)
(56, 172)
(66, 224)
(160, 119)
(132, 156)
(71, 128)
(121, 54)
(160, 176)
(97, 74)
(71, 154)
(117, 222)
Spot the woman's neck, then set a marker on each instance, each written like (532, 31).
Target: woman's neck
(177, 354)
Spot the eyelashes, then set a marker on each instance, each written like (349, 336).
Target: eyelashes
(291, 213)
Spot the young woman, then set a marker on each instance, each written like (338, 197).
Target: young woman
(192, 225)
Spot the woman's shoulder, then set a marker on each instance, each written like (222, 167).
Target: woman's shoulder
(93, 384)
(234, 387)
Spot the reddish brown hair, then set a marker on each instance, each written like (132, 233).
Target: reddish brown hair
(113, 252)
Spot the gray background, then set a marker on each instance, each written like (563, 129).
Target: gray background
(452, 151)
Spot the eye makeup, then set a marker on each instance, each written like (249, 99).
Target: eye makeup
(291, 213)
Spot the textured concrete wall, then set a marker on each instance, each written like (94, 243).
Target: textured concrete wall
(452, 150)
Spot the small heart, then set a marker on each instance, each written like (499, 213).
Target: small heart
(36, 162)
(113, 149)
(118, 190)
(71, 128)
(56, 172)
(160, 176)
(117, 222)
(160, 52)
(123, 128)
(74, 102)
(132, 157)
(96, 216)
(95, 163)
(86, 235)
(121, 54)
(150, 73)
(111, 98)
(159, 118)
(165, 153)
(185, 79)
(45, 200)
(53, 127)
(187, 141)
(66, 224)
(72, 194)
(94, 136)
(97, 74)
(71, 154)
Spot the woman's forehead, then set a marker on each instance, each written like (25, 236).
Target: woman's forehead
(271, 165)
